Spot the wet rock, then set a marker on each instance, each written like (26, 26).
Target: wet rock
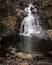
(38, 56)
(24, 63)
(44, 63)
(24, 56)
(12, 50)
(20, 55)
(49, 31)
(49, 34)
(29, 56)
(50, 53)
(12, 62)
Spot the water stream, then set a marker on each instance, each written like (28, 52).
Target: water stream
(30, 24)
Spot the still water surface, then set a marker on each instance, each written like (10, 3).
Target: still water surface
(25, 44)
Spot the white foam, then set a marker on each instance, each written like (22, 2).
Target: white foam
(30, 25)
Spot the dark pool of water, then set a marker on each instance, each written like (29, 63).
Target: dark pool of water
(25, 44)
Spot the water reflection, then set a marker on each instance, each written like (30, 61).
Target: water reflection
(30, 44)
(25, 44)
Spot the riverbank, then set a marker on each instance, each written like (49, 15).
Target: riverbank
(26, 59)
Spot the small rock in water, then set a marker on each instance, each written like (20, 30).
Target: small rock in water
(12, 49)
(37, 56)
(12, 52)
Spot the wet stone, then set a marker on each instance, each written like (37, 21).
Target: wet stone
(24, 56)
(49, 34)
(24, 63)
(28, 59)
(20, 55)
(44, 63)
(29, 56)
(38, 56)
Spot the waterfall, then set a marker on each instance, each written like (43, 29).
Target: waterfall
(30, 24)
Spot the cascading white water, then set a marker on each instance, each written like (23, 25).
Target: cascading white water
(30, 24)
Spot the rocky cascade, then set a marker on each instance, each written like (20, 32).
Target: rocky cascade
(12, 14)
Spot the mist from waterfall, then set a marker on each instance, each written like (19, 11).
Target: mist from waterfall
(30, 24)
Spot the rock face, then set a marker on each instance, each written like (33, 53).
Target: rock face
(49, 34)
